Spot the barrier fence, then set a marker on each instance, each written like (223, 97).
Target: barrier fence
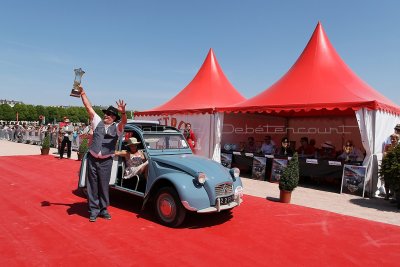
(36, 137)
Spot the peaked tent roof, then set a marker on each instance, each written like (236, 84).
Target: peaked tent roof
(319, 81)
(208, 89)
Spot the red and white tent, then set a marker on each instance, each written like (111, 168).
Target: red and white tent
(319, 81)
(197, 104)
(320, 84)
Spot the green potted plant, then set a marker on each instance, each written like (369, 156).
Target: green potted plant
(289, 179)
(45, 148)
(390, 171)
(83, 148)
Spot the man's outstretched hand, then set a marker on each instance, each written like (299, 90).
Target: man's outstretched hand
(121, 106)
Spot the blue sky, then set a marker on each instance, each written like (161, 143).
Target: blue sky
(145, 52)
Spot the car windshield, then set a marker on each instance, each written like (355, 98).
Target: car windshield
(165, 141)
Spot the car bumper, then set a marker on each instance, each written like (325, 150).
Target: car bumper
(218, 207)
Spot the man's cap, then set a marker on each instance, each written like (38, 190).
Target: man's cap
(397, 127)
(328, 144)
(113, 111)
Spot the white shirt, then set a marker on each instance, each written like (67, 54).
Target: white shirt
(268, 149)
(96, 120)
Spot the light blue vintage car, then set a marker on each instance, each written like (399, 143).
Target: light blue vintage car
(178, 181)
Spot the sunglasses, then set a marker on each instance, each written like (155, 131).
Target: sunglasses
(109, 113)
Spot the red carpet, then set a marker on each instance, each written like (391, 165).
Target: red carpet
(44, 222)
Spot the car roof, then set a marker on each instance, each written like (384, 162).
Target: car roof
(144, 122)
(151, 127)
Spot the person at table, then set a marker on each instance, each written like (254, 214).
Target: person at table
(268, 147)
(305, 150)
(327, 151)
(351, 153)
(251, 146)
(285, 150)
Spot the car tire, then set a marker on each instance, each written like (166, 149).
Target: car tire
(168, 207)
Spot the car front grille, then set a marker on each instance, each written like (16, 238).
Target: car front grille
(225, 189)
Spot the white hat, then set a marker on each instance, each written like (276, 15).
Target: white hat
(132, 141)
(328, 144)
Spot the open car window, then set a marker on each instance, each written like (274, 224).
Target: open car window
(165, 141)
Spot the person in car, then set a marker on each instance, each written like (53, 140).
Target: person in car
(106, 133)
(135, 161)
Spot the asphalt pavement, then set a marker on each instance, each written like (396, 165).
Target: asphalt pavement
(374, 209)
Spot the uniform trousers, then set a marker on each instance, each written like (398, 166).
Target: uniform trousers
(64, 142)
(99, 171)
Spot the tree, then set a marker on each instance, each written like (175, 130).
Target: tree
(6, 112)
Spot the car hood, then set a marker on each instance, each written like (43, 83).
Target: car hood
(193, 164)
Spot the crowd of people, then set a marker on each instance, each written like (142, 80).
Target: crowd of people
(33, 132)
(307, 149)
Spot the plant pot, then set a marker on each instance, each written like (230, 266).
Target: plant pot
(285, 196)
(44, 151)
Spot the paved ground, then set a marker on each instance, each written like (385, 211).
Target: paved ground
(375, 209)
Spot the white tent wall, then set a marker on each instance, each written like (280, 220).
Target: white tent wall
(206, 127)
(375, 128)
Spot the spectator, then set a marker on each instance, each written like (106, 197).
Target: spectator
(268, 147)
(327, 151)
(251, 145)
(394, 141)
(285, 149)
(67, 133)
(305, 150)
(189, 135)
(351, 153)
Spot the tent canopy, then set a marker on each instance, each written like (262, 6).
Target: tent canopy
(209, 89)
(319, 81)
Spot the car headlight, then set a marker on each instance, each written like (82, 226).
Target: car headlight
(235, 173)
(238, 191)
(201, 178)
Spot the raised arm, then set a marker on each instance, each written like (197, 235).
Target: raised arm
(121, 108)
(87, 104)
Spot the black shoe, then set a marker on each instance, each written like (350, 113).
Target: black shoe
(105, 215)
(92, 218)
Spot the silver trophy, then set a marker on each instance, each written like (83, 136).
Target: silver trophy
(76, 92)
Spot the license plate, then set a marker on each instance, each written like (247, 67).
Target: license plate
(226, 200)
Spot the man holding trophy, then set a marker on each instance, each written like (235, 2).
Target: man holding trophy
(106, 132)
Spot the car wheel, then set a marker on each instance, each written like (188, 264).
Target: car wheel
(168, 207)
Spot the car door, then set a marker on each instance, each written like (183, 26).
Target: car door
(83, 171)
